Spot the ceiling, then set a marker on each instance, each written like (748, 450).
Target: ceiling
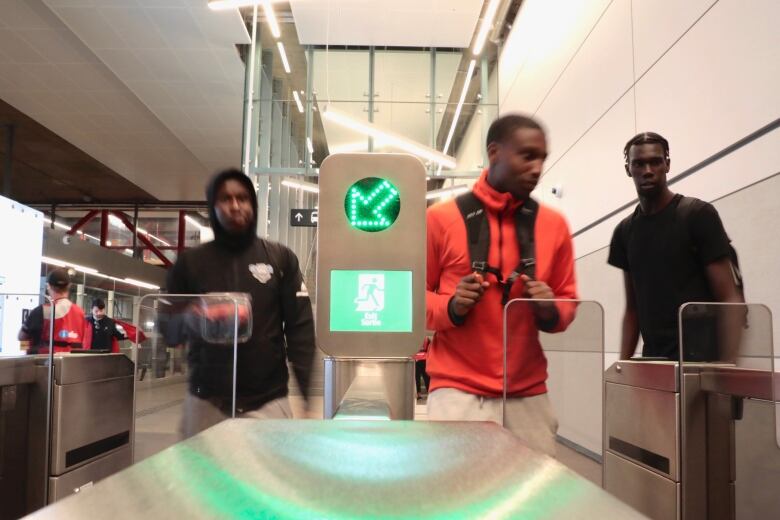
(47, 169)
(161, 111)
(397, 23)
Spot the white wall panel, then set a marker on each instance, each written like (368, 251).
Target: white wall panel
(592, 174)
(597, 77)
(658, 24)
(544, 37)
(717, 85)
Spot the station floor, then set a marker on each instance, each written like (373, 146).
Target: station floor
(159, 414)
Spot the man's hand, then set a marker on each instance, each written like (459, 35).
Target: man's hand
(468, 292)
(538, 290)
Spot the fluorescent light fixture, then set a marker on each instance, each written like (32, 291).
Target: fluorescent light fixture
(446, 192)
(285, 63)
(62, 263)
(221, 5)
(459, 107)
(139, 283)
(487, 23)
(195, 223)
(309, 145)
(270, 17)
(389, 138)
(298, 101)
(300, 185)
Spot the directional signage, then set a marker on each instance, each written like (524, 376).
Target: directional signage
(304, 217)
(371, 255)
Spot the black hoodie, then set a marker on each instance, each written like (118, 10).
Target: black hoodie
(282, 328)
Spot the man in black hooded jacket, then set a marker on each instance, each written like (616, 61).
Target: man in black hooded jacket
(282, 324)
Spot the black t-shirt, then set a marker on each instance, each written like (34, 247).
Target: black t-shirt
(666, 255)
(103, 330)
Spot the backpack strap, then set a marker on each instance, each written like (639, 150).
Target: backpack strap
(478, 233)
(477, 230)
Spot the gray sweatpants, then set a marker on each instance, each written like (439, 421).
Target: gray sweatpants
(529, 418)
(200, 414)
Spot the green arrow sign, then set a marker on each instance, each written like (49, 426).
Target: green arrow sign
(372, 204)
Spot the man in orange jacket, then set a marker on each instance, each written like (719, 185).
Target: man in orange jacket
(465, 308)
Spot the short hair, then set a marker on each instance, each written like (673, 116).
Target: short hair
(646, 138)
(504, 126)
(59, 278)
(99, 303)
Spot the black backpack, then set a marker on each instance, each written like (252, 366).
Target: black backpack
(478, 231)
(685, 208)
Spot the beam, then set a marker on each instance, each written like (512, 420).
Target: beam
(81, 222)
(126, 221)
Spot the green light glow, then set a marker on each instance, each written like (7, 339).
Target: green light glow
(372, 204)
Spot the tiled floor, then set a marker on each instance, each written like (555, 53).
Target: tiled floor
(159, 415)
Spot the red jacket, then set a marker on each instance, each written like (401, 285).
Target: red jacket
(469, 357)
(68, 327)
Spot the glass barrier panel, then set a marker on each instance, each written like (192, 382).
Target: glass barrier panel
(571, 351)
(728, 409)
(185, 349)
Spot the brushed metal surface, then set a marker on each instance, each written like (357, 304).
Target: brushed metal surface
(648, 419)
(245, 468)
(658, 375)
(17, 370)
(648, 492)
(741, 382)
(397, 376)
(88, 412)
(81, 478)
(70, 369)
(401, 247)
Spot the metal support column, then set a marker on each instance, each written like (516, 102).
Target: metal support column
(181, 235)
(432, 108)
(483, 89)
(371, 63)
(9, 153)
(264, 139)
(307, 156)
(110, 304)
(277, 129)
(136, 252)
(249, 137)
(103, 227)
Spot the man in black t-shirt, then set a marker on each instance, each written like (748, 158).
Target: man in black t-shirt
(104, 329)
(669, 256)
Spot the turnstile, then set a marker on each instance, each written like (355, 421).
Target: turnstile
(669, 441)
(91, 421)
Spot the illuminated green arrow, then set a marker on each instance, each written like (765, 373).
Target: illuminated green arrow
(372, 204)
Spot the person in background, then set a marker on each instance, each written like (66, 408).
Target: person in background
(672, 250)
(465, 303)
(68, 319)
(103, 332)
(237, 260)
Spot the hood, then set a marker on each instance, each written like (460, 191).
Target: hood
(221, 235)
(495, 201)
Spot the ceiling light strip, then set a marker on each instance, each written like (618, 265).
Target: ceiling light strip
(299, 185)
(389, 138)
(298, 101)
(459, 107)
(270, 17)
(484, 29)
(285, 63)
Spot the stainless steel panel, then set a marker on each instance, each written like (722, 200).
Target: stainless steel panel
(345, 469)
(397, 378)
(88, 412)
(647, 419)
(646, 491)
(17, 370)
(741, 382)
(659, 375)
(399, 247)
(82, 478)
(77, 368)
(693, 451)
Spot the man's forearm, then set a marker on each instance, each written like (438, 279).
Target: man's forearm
(630, 335)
